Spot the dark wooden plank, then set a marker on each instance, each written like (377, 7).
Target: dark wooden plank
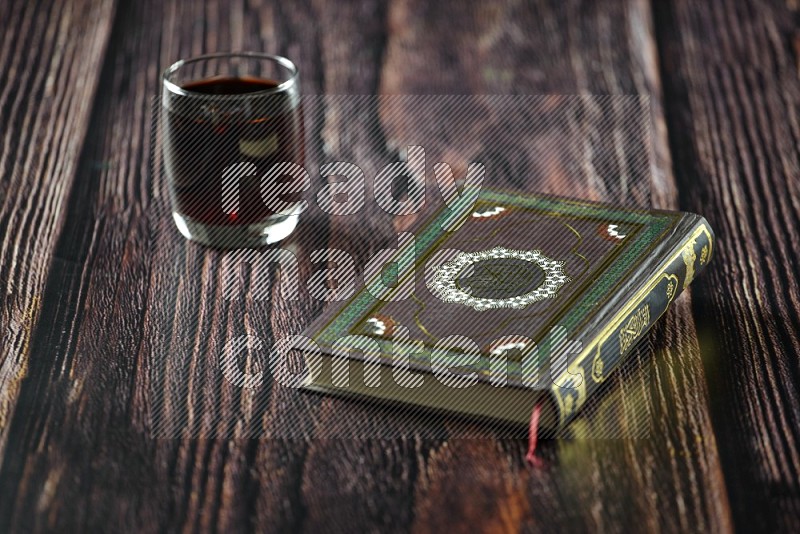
(733, 90)
(50, 57)
(80, 452)
(88, 393)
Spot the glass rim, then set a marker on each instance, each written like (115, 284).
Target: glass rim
(280, 60)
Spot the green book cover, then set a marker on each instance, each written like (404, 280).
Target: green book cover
(525, 301)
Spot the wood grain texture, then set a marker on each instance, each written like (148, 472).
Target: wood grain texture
(733, 94)
(125, 480)
(125, 304)
(50, 58)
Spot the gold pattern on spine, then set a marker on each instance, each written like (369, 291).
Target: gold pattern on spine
(566, 399)
(671, 287)
(689, 257)
(597, 368)
(637, 324)
(704, 255)
(572, 385)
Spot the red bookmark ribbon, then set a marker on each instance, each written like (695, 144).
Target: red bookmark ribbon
(533, 434)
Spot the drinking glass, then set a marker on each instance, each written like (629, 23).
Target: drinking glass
(232, 147)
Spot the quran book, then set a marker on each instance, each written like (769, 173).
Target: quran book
(524, 301)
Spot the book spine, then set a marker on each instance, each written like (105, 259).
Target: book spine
(616, 338)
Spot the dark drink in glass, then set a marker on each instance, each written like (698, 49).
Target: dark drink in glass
(228, 119)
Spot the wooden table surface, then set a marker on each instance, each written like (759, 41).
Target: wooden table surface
(723, 404)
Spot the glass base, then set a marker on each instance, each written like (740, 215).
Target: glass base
(266, 232)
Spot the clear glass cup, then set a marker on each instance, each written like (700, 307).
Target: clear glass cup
(232, 134)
